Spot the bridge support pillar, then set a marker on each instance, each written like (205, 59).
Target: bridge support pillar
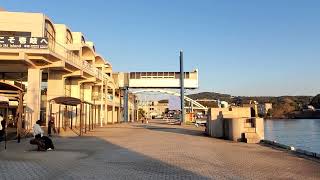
(182, 118)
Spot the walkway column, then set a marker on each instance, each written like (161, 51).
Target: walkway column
(119, 107)
(102, 115)
(126, 105)
(56, 88)
(113, 105)
(106, 104)
(87, 94)
(118, 114)
(33, 97)
(132, 114)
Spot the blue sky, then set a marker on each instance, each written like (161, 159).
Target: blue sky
(269, 47)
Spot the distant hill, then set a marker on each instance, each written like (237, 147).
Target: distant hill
(303, 100)
(283, 106)
(210, 95)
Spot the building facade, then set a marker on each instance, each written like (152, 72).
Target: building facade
(154, 109)
(50, 60)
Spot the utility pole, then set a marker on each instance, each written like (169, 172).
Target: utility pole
(181, 87)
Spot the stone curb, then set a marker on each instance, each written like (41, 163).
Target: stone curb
(292, 149)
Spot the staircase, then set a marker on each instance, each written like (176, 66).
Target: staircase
(250, 135)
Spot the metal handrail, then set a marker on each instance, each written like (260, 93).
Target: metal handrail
(70, 56)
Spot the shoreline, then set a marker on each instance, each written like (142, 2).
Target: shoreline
(277, 119)
(292, 149)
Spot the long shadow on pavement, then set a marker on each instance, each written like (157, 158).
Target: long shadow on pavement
(85, 158)
(173, 129)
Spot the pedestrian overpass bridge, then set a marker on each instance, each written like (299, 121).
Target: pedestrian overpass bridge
(158, 82)
(163, 80)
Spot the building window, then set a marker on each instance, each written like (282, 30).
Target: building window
(132, 75)
(50, 33)
(83, 40)
(186, 75)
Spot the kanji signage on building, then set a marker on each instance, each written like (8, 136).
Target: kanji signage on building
(23, 42)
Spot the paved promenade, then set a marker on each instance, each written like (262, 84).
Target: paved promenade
(153, 151)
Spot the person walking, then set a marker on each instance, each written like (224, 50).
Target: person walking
(2, 127)
(1, 119)
(51, 125)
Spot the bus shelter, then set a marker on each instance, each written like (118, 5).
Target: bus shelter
(74, 114)
(4, 106)
(11, 98)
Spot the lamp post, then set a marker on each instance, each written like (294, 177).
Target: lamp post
(181, 87)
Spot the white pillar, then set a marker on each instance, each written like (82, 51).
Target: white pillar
(106, 104)
(56, 88)
(113, 104)
(33, 97)
(102, 114)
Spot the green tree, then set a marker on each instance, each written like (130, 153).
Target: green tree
(315, 102)
(141, 113)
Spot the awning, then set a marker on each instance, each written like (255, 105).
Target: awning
(70, 101)
(9, 87)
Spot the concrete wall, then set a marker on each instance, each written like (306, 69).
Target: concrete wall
(76, 37)
(230, 123)
(230, 112)
(87, 90)
(61, 33)
(260, 127)
(233, 128)
(215, 128)
(25, 22)
(109, 115)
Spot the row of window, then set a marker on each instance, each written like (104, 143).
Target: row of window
(51, 34)
(172, 75)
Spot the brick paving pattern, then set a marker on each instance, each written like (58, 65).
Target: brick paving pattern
(153, 151)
